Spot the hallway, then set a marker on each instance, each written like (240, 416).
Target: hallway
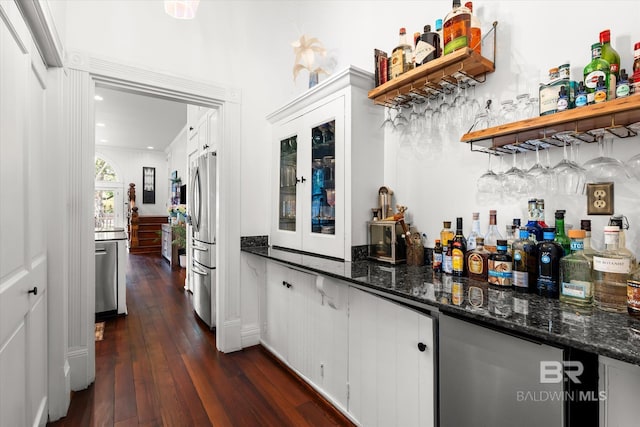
(158, 366)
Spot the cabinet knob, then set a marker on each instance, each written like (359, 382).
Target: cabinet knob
(204, 147)
(303, 179)
(284, 283)
(289, 285)
(422, 346)
(190, 128)
(34, 290)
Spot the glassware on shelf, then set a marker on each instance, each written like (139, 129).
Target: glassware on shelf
(540, 177)
(523, 107)
(514, 180)
(388, 121)
(605, 167)
(507, 112)
(570, 176)
(535, 107)
(633, 167)
(400, 121)
(489, 186)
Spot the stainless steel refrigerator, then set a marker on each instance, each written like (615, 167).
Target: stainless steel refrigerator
(203, 206)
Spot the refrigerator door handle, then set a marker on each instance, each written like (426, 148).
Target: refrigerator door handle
(199, 272)
(200, 248)
(197, 199)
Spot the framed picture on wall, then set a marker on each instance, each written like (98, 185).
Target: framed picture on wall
(148, 185)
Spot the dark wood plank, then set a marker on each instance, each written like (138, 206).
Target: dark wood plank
(158, 366)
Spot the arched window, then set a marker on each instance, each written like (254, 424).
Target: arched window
(104, 171)
(108, 201)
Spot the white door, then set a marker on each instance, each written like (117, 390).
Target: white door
(277, 303)
(23, 279)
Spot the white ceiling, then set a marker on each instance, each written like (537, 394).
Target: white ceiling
(137, 121)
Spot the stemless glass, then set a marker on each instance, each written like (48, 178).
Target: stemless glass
(523, 107)
(507, 112)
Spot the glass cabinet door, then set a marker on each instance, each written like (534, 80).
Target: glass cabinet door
(323, 192)
(288, 181)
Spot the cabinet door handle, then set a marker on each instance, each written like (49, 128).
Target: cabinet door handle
(303, 179)
(204, 147)
(284, 283)
(34, 290)
(422, 346)
(289, 285)
(190, 127)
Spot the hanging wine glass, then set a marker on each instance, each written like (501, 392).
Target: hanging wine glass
(489, 186)
(604, 167)
(541, 178)
(400, 121)
(388, 121)
(514, 181)
(569, 175)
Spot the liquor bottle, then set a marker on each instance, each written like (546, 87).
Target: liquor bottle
(576, 276)
(525, 262)
(447, 262)
(598, 67)
(585, 224)
(456, 28)
(601, 94)
(610, 55)
(446, 233)
(563, 99)
(623, 224)
(633, 293)
(427, 47)
(440, 35)
(500, 266)
(622, 85)
(540, 209)
(581, 95)
(437, 257)
(475, 41)
(533, 227)
(458, 266)
(475, 232)
(611, 269)
(549, 255)
(401, 57)
(478, 261)
(561, 238)
(635, 87)
(493, 235)
(513, 231)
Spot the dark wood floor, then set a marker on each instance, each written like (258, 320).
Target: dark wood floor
(159, 366)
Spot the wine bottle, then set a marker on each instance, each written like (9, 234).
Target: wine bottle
(596, 69)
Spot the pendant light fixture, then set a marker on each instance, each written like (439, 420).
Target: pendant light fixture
(181, 9)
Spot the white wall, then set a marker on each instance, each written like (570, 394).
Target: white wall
(129, 164)
(177, 156)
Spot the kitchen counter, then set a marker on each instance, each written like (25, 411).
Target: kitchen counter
(615, 335)
(102, 236)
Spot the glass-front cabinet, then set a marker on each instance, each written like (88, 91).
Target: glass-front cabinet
(314, 180)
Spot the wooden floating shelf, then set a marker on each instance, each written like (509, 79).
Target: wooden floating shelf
(612, 115)
(464, 61)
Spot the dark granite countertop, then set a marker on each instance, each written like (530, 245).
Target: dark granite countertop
(615, 335)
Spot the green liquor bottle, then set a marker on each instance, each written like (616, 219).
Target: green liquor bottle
(598, 67)
(576, 277)
(610, 55)
(562, 238)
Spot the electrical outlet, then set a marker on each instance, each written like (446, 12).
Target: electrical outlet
(600, 198)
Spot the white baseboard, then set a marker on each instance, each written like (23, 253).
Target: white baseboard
(250, 335)
(79, 369)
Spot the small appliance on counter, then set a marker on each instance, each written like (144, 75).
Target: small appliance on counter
(386, 242)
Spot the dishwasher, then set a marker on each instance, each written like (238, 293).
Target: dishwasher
(106, 279)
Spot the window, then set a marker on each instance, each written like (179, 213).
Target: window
(108, 203)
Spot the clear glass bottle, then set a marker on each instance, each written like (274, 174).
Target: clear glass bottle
(549, 255)
(594, 70)
(585, 224)
(456, 28)
(446, 233)
(475, 231)
(500, 266)
(540, 211)
(513, 232)
(561, 237)
(611, 269)
(623, 224)
(576, 276)
(437, 256)
(525, 261)
(493, 235)
(533, 227)
(458, 264)
(478, 261)
(402, 56)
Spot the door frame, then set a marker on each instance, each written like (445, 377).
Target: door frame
(84, 71)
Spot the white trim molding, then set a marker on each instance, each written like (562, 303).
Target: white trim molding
(85, 72)
(38, 16)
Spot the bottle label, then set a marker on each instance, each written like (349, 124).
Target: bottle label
(622, 90)
(548, 99)
(437, 261)
(491, 248)
(581, 100)
(423, 49)
(563, 104)
(457, 260)
(633, 294)
(521, 279)
(397, 63)
(500, 272)
(476, 264)
(447, 266)
(576, 289)
(455, 44)
(600, 95)
(547, 285)
(591, 79)
(612, 265)
(611, 238)
(577, 246)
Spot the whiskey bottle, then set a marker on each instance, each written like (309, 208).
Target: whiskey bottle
(475, 232)
(437, 256)
(456, 28)
(458, 265)
(561, 238)
(525, 262)
(500, 266)
(611, 269)
(575, 273)
(402, 56)
(446, 233)
(478, 261)
(493, 235)
(597, 68)
(549, 255)
(475, 31)
(610, 55)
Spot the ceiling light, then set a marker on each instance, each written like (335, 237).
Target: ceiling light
(100, 125)
(98, 98)
(181, 9)
(149, 148)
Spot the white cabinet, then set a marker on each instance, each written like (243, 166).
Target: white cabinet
(619, 389)
(328, 166)
(166, 242)
(305, 325)
(391, 363)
